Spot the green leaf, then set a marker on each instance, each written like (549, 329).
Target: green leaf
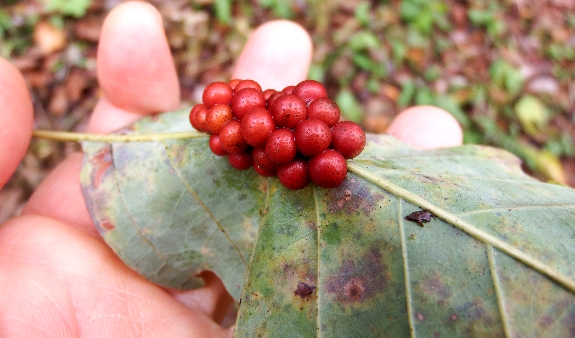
(363, 61)
(316, 72)
(424, 96)
(223, 9)
(407, 92)
(361, 13)
(281, 8)
(349, 106)
(507, 76)
(532, 114)
(363, 40)
(399, 50)
(479, 17)
(513, 80)
(450, 105)
(76, 8)
(409, 10)
(497, 260)
(424, 22)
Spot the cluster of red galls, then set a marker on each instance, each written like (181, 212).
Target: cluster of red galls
(294, 134)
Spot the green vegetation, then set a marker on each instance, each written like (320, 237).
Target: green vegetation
(75, 8)
(504, 69)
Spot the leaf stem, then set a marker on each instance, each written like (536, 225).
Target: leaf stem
(468, 228)
(113, 138)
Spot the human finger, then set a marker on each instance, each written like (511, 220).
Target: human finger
(137, 75)
(213, 299)
(66, 283)
(426, 127)
(60, 197)
(277, 54)
(135, 68)
(16, 119)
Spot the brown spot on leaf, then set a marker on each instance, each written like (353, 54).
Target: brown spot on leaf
(479, 312)
(569, 322)
(264, 211)
(347, 194)
(434, 285)
(420, 317)
(354, 289)
(264, 186)
(107, 225)
(310, 224)
(101, 162)
(453, 317)
(353, 196)
(546, 321)
(475, 312)
(359, 279)
(304, 290)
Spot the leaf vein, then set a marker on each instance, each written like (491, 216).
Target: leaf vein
(401, 172)
(256, 240)
(210, 237)
(466, 227)
(497, 287)
(131, 217)
(206, 209)
(174, 210)
(514, 208)
(436, 156)
(405, 266)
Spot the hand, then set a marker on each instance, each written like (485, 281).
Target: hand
(57, 276)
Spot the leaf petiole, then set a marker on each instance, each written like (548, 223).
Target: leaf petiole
(114, 138)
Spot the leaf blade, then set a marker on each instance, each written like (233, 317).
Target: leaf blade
(360, 257)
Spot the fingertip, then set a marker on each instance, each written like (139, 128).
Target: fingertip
(60, 197)
(16, 119)
(277, 54)
(426, 127)
(135, 67)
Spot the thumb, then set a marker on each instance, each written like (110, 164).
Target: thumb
(16, 119)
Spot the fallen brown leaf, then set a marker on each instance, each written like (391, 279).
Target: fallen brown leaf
(48, 38)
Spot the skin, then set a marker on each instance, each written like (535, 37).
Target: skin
(58, 278)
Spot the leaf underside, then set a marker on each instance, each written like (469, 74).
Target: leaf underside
(497, 261)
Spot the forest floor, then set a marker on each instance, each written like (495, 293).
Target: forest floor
(504, 69)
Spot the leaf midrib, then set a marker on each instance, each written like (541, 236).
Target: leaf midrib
(401, 172)
(466, 227)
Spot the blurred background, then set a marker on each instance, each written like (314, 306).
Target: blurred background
(504, 69)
